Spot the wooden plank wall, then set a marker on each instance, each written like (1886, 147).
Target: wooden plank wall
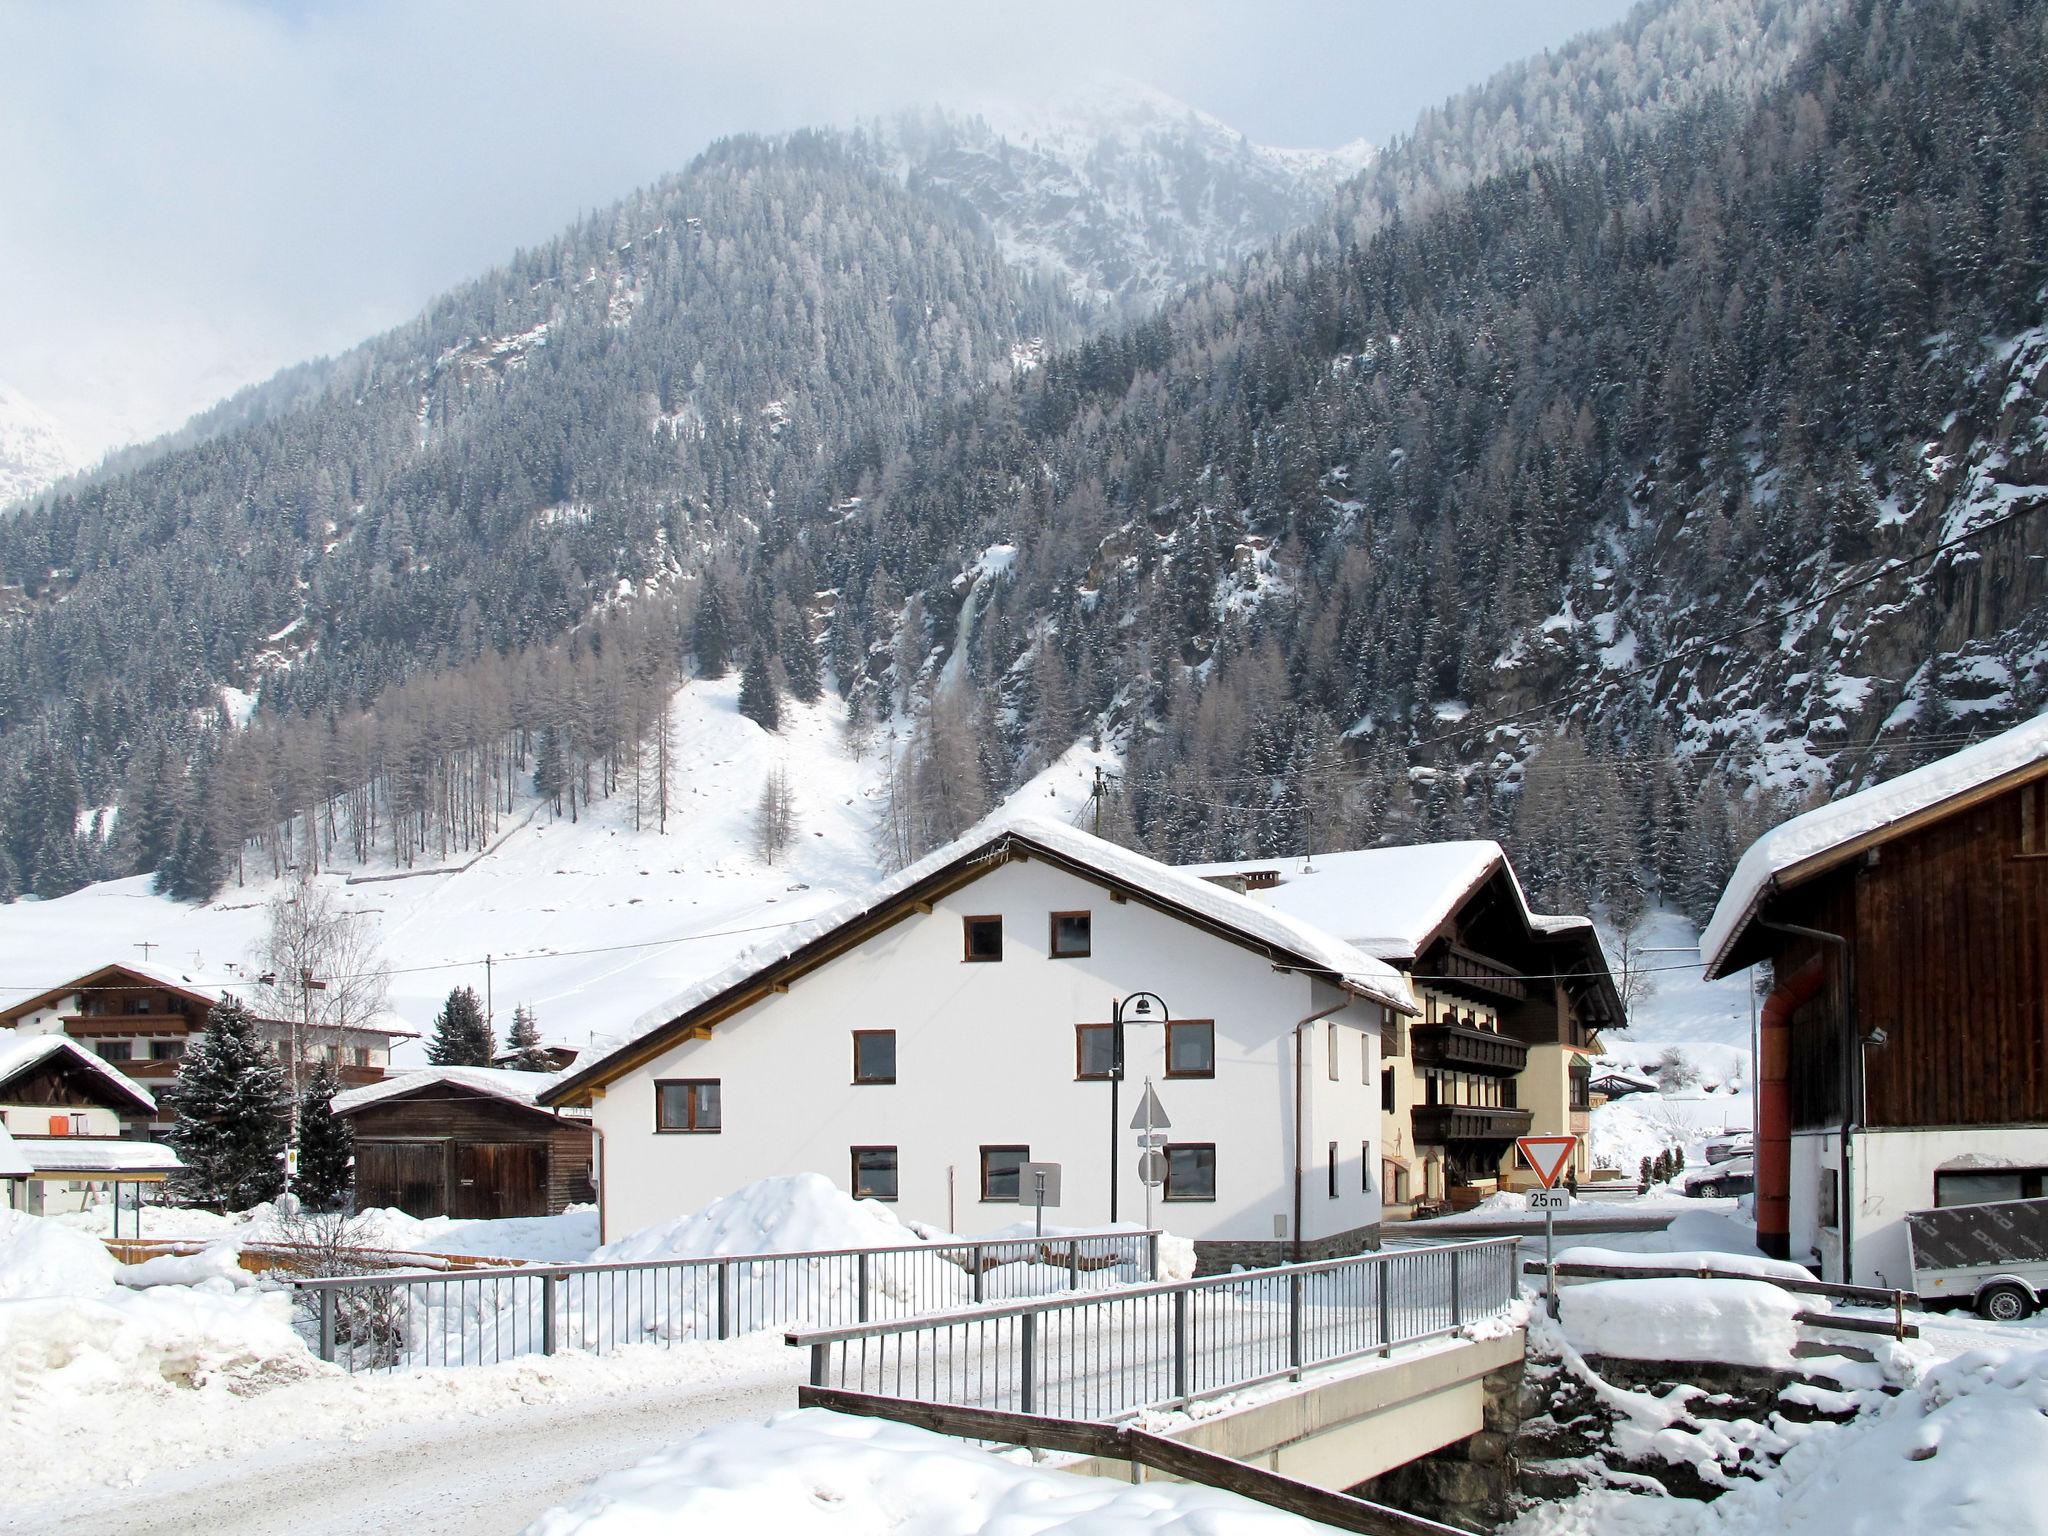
(448, 1115)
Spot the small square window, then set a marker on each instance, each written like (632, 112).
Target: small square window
(1191, 1171)
(1191, 1048)
(1094, 1050)
(984, 937)
(115, 1050)
(874, 1173)
(166, 1050)
(874, 1055)
(1072, 935)
(689, 1105)
(1000, 1176)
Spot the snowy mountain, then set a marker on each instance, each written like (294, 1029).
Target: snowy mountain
(34, 452)
(1119, 192)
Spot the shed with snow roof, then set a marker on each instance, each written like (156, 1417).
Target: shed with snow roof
(1906, 927)
(467, 1142)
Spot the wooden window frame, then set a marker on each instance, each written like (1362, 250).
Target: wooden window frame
(1171, 1026)
(967, 954)
(1081, 1056)
(1390, 1099)
(1004, 1146)
(871, 1082)
(1334, 1164)
(853, 1175)
(1052, 937)
(1166, 1191)
(692, 1129)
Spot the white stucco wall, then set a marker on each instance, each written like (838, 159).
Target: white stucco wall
(1894, 1173)
(34, 1119)
(986, 1056)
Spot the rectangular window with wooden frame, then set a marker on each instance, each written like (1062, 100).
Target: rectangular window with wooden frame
(874, 1055)
(1000, 1172)
(1191, 1048)
(1387, 1090)
(1191, 1171)
(1333, 1170)
(1094, 1051)
(874, 1173)
(688, 1104)
(1072, 935)
(982, 938)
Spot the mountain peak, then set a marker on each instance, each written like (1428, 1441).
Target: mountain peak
(34, 452)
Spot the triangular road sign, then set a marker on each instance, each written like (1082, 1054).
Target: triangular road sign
(1548, 1155)
(1150, 1112)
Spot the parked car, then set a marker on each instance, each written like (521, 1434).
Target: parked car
(1993, 1256)
(1722, 1148)
(1732, 1176)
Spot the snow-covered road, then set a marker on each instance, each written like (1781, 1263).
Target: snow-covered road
(452, 1478)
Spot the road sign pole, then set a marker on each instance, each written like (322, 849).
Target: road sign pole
(1549, 1264)
(1149, 1102)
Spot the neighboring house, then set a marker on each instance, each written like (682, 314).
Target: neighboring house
(141, 1019)
(468, 1142)
(1904, 1047)
(1610, 1086)
(76, 1121)
(1511, 1002)
(920, 1043)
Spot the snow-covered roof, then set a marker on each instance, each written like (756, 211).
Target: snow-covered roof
(1387, 901)
(12, 1164)
(1253, 921)
(496, 1082)
(96, 1154)
(18, 1053)
(1805, 845)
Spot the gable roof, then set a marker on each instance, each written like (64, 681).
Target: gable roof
(803, 946)
(146, 975)
(1808, 845)
(521, 1088)
(22, 1053)
(97, 1155)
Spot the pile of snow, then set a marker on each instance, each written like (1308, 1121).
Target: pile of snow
(218, 1265)
(40, 1258)
(1719, 1260)
(1732, 1322)
(796, 1213)
(816, 1471)
(126, 1340)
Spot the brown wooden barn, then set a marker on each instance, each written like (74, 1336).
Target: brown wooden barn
(467, 1142)
(1904, 1045)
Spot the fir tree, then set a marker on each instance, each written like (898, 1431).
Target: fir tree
(800, 665)
(757, 692)
(462, 1035)
(325, 1179)
(528, 1054)
(231, 1102)
(550, 773)
(711, 633)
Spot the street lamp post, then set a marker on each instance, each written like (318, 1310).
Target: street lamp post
(1139, 1008)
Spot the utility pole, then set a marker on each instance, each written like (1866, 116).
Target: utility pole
(302, 1032)
(1096, 795)
(490, 1008)
(146, 946)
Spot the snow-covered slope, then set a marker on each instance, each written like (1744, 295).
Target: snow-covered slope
(34, 452)
(1116, 190)
(590, 922)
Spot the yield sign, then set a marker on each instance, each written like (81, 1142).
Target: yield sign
(1548, 1155)
(1151, 1115)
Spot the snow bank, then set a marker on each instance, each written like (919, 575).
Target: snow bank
(813, 1471)
(129, 1339)
(41, 1258)
(1730, 1322)
(219, 1266)
(1738, 1263)
(796, 1213)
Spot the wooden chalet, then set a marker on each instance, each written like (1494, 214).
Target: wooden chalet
(467, 1142)
(73, 1124)
(1904, 1046)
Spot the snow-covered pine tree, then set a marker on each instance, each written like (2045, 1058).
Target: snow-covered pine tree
(528, 1054)
(757, 692)
(798, 651)
(325, 1178)
(711, 631)
(462, 1035)
(231, 1102)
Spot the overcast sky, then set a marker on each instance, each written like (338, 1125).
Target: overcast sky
(197, 193)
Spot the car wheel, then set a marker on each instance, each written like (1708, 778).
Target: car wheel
(1708, 1189)
(2004, 1303)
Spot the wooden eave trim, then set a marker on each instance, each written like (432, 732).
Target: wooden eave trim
(1842, 853)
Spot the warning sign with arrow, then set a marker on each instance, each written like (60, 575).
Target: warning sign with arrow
(1548, 1155)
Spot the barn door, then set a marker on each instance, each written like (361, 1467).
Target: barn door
(410, 1175)
(499, 1178)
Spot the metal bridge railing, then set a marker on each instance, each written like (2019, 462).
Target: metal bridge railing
(481, 1316)
(1108, 1355)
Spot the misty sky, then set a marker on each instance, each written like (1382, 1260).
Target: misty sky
(197, 193)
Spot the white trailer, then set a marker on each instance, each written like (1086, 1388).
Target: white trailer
(1993, 1257)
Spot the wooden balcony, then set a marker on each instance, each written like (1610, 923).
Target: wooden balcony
(1464, 1049)
(1443, 1125)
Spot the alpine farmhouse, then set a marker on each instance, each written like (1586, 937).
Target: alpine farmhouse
(919, 1044)
(1904, 1045)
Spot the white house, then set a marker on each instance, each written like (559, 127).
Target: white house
(919, 1043)
(74, 1125)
